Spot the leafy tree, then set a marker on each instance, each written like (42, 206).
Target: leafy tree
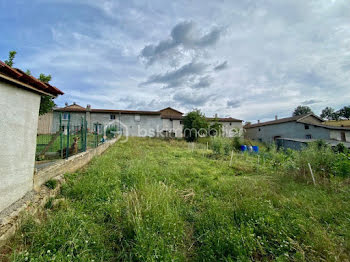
(12, 55)
(302, 110)
(345, 112)
(46, 102)
(195, 125)
(329, 113)
(215, 128)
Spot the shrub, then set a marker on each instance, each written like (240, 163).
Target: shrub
(236, 143)
(51, 184)
(321, 158)
(342, 168)
(217, 145)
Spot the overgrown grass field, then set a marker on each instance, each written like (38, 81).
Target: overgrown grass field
(156, 200)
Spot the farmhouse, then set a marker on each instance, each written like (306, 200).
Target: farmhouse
(307, 126)
(19, 106)
(166, 122)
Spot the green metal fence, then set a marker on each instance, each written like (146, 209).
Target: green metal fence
(64, 136)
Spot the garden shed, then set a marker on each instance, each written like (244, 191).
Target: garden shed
(20, 96)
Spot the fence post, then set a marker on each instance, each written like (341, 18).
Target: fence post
(96, 134)
(82, 134)
(312, 174)
(231, 158)
(68, 131)
(61, 136)
(85, 145)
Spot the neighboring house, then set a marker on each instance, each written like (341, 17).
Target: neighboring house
(341, 123)
(307, 126)
(166, 122)
(19, 106)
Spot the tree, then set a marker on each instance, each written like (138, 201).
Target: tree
(345, 112)
(195, 125)
(215, 128)
(12, 55)
(46, 102)
(329, 114)
(302, 110)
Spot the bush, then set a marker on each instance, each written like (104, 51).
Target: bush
(217, 145)
(51, 184)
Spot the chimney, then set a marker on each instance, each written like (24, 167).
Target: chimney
(258, 121)
(74, 103)
(276, 117)
(216, 115)
(66, 104)
(88, 107)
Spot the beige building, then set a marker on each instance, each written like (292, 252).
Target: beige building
(19, 106)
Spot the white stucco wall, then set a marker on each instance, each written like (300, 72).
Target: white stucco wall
(148, 125)
(19, 111)
(227, 128)
(175, 126)
(336, 135)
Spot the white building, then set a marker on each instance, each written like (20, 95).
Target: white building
(19, 107)
(166, 122)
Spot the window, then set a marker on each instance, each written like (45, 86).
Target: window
(65, 116)
(308, 136)
(230, 124)
(180, 122)
(112, 117)
(259, 129)
(306, 126)
(137, 118)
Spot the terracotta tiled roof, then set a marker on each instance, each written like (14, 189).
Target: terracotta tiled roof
(282, 120)
(171, 109)
(278, 121)
(78, 108)
(20, 78)
(227, 119)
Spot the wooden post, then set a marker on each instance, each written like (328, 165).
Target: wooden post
(312, 174)
(231, 158)
(258, 159)
(207, 146)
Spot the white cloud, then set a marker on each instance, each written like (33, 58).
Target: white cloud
(280, 54)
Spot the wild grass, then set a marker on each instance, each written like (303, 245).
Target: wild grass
(155, 200)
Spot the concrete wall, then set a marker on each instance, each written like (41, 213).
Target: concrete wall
(336, 135)
(18, 126)
(132, 125)
(174, 126)
(75, 120)
(71, 164)
(227, 128)
(287, 130)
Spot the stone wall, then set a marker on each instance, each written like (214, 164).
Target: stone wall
(69, 165)
(32, 201)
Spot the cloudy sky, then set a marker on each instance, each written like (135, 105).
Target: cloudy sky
(247, 59)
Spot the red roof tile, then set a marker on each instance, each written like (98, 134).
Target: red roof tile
(23, 78)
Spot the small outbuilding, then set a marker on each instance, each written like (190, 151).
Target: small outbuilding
(20, 96)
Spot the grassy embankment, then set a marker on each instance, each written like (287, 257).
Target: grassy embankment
(153, 200)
